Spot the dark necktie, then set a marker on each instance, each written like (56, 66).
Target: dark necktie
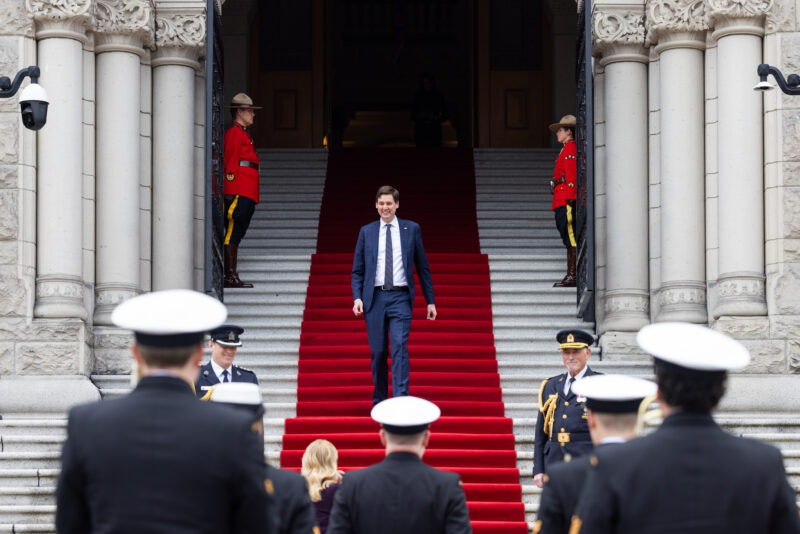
(388, 272)
(569, 385)
(225, 376)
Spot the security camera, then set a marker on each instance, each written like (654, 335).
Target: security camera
(33, 106)
(763, 85)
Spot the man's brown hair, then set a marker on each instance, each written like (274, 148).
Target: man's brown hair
(388, 190)
(169, 357)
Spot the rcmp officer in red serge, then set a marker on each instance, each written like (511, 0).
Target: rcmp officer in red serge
(613, 403)
(561, 426)
(563, 186)
(223, 345)
(241, 183)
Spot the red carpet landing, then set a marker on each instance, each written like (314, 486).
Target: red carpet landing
(452, 359)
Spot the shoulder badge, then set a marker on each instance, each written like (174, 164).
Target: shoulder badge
(230, 176)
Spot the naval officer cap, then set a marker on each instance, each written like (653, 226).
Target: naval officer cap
(227, 335)
(574, 339)
(171, 318)
(692, 348)
(614, 393)
(405, 415)
(240, 394)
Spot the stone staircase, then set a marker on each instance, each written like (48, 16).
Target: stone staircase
(526, 256)
(275, 256)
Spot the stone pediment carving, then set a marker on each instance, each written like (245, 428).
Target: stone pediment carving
(675, 16)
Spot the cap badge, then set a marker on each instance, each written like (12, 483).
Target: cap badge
(231, 336)
(570, 338)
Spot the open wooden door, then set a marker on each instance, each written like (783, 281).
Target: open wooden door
(513, 74)
(287, 75)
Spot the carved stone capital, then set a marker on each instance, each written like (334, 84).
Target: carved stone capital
(683, 301)
(675, 16)
(619, 34)
(741, 294)
(60, 18)
(126, 25)
(738, 16)
(626, 310)
(180, 38)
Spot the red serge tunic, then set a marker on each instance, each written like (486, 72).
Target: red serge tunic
(566, 167)
(240, 179)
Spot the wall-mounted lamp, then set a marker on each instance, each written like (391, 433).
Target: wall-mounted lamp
(790, 85)
(33, 99)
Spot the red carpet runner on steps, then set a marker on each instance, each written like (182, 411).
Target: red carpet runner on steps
(452, 359)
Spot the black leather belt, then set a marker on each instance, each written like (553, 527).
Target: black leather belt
(554, 183)
(246, 163)
(393, 288)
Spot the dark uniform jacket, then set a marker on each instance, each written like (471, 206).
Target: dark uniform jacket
(562, 487)
(570, 431)
(566, 168)
(240, 179)
(208, 377)
(689, 476)
(400, 495)
(294, 511)
(129, 465)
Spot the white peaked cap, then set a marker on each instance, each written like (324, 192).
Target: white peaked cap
(613, 393)
(237, 393)
(692, 346)
(405, 414)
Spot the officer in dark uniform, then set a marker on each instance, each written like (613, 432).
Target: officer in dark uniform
(561, 428)
(689, 476)
(223, 344)
(292, 506)
(401, 494)
(130, 464)
(613, 405)
(564, 189)
(241, 183)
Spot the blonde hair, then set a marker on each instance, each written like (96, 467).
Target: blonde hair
(319, 467)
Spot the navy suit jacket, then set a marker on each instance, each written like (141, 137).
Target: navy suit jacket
(365, 262)
(208, 377)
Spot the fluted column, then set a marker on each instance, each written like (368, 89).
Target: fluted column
(60, 33)
(180, 37)
(738, 29)
(122, 28)
(678, 26)
(619, 37)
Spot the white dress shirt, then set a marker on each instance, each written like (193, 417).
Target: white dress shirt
(218, 371)
(577, 377)
(397, 255)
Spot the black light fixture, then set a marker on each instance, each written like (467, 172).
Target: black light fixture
(33, 99)
(790, 85)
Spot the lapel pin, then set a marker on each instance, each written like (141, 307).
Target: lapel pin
(205, 373)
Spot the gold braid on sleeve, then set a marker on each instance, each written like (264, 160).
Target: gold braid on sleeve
(549, 417)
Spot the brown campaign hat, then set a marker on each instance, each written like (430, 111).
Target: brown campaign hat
(565, 122)
(241, 100)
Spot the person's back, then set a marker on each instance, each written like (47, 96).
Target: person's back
(160, 438)
(402, 494)
(699, 479)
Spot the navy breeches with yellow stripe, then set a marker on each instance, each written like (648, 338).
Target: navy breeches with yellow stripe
(565, 221)
(238, 212)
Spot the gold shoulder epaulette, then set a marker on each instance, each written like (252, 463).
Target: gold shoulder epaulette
(541, 392)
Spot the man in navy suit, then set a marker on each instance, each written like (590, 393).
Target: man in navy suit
(223, 344)
(383, 290)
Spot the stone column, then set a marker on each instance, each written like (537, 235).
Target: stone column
(180, 38)
(679, 29)
(122, 28)
(61, 33)
(738, 30)
(619, 37)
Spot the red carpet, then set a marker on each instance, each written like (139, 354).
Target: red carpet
(452, 359)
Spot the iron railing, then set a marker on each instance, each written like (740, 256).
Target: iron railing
(584, 223)
(215, 210)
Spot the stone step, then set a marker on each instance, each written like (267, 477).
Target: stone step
(30, 477)
(43, 514)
